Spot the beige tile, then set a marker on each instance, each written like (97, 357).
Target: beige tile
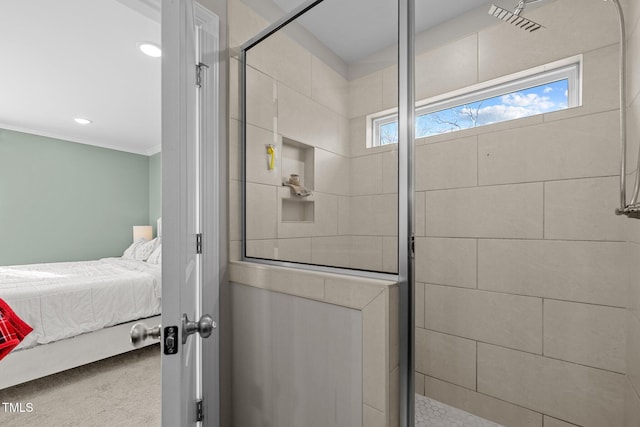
(235, 251)
(631, 407)
(285, 60)
(552, 422)
(343, 144)
(446, 261)
(587, 334)
(394, 398)
(500, 46)
(507, 320)
(365, 95)
(304, 120)
(373, 417)
(234, 89)
(261, 211)
(452, 66)
(452, 164)
(344, 215)
(390, 254)
(374, 215)
(633, 135)
(258, 159)
(332, 173)
(579, 394)
(633, 350)
(512, 211)
(295, 250)
(633, 61)
(390, 172)
(366, 253)
(328, 87)
(419, 384)
(575, 271)
(350, 293)
(366, 175)
(262, 249)
(390, 87)
(599, 91)
(358, 137)
(331, 251)
(235, 161)
(325, 222)
(420, 207)
(235, 208)
(244, 23)
(261, 99)
(633, 301)
(482, 405)
(446, 357)
(583, 210)
(573, 148)
(374, 363)
(393, 331)
(419, 304)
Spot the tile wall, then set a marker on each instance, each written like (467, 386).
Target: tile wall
(632, 226)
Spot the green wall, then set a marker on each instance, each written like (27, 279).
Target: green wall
(155, 190)
(62, 201)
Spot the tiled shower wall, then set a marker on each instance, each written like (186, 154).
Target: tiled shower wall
(521, 264)
(632, 390)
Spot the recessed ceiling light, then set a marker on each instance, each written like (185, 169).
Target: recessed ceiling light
(82, 121)
(151, 49)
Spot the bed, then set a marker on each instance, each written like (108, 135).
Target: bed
(80, 312)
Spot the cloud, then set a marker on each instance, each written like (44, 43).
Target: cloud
(548, 89)
(515, 106)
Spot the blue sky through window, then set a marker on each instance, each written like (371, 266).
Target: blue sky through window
(523, 103)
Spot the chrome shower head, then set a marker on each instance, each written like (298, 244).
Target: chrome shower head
(514, 17)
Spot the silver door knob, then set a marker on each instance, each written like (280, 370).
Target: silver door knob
(140, 332)
(204, 326)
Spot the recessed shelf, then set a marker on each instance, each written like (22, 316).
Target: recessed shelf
(297, 210)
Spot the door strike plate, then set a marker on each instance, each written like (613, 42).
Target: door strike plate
(170, 340)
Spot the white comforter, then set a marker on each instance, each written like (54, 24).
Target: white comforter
(61, 300)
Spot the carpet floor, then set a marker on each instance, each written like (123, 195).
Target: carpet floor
(122, 390)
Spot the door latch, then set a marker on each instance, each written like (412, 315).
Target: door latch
(170, 340)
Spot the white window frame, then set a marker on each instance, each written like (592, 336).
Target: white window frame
(569, 69)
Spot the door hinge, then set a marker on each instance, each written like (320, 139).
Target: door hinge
(199, 243)
(199, 67)
(199, 410)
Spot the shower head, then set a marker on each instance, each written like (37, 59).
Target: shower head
(514, 17)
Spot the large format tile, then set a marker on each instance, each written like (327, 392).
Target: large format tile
(332, 173)
(304, 120)
(446, 357)
(509, 211)
(447, 68)
(451, 164)
(500, 46)
(257, 170)
(262, 211)
(374, 368)
(631, 407)
(331, 250)
(572, 148)
(328, 87)
(508, 320)
(261, 99)
(586, 334)
(575, 271)
(446, 261)
(374, 215)
(482, 405)
(583, 209)
(579, 394)
(633, 350)
(366, 175)
(553, 422)
(365, 95)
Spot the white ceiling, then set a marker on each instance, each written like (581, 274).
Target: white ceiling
(355, 29)
(69, 58)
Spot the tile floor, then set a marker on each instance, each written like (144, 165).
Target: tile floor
(431, 413)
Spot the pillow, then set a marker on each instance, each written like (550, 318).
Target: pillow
(130, 252)
(143, 251)
(156, 256)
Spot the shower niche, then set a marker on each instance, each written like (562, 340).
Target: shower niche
(297, 202)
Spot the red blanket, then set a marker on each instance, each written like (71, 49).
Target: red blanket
(12, 329)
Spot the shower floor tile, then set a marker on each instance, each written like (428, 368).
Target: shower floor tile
(431, 413)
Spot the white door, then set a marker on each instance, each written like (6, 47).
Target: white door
(189, 44)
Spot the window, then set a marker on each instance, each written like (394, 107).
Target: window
(545, 89)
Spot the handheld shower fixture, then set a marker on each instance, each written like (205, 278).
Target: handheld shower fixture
(515, 17)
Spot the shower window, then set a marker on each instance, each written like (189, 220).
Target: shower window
(545, 89)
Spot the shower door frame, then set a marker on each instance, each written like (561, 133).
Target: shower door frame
(406, 142)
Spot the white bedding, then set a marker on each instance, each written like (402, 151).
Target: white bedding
(61, 300)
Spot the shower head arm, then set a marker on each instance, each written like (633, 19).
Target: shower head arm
(521, 5)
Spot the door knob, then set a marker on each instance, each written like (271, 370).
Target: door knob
(140, 332)
(204, 326)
